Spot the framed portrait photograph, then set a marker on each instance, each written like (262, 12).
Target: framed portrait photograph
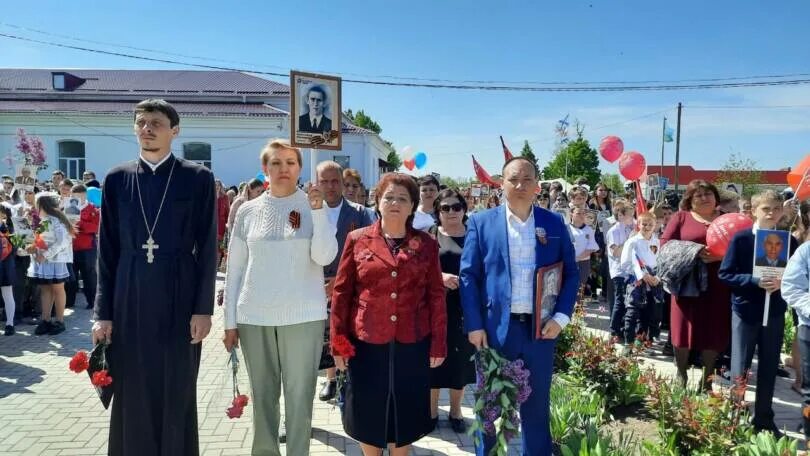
(771, 249)
(315, 111)
(652, 181)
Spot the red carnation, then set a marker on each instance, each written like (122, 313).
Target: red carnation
(240, 401)
(100, 378)
(40, 243)
(79, 362)
(234, 412)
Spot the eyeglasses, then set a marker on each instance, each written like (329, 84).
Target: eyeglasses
(456, 207)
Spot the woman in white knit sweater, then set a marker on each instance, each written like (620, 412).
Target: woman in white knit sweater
(275, 302)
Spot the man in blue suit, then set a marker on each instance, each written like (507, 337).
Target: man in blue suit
(503, 249)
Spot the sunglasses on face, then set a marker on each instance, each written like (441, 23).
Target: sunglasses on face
(457, 207)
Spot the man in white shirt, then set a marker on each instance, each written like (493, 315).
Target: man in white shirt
(345, 216)
(503, 251)
(425, 215)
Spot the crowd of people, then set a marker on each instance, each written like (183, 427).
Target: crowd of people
(390, 290)
(48, 249)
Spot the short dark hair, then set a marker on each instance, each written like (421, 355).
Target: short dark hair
(78, 188)
(66, 182)
(692, 188)
(90, 173)
(428, 180)
(520, 158)
(254, 184)
(158, 105)
(402, 180)
(319, 89)
(449, 193)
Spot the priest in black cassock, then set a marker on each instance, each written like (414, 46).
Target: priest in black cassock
(156, 273)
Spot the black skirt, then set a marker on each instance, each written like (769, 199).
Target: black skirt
(388, 393)
(8, 271)
(458, 369)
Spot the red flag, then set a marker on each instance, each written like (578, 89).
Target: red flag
(507, 155)
(641, 204)
(482, 175)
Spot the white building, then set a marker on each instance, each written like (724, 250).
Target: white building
(85, 119)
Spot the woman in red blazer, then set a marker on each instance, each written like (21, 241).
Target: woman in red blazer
(389, 323)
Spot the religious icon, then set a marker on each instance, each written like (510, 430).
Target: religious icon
(315, 112)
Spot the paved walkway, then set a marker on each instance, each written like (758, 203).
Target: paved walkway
(47, 410)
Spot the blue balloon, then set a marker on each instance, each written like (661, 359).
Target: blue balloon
(260, 176)
(420, 160)
(94, 196)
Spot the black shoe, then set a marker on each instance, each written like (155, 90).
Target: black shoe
(782, 372)
(434, 423)
(9, 330)
(282, 433)
(668, 350)
(44, 327)
(89, 306)
(328, 391)
(457, 424)
(57, 327)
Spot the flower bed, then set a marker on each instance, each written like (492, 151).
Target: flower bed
(594, 383)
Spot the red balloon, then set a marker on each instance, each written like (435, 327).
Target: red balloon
(611, 148)
(632, 165)
(409, 163)
(794, 178)
(724, 228)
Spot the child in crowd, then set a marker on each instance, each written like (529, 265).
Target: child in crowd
(616, 236)
(85, 251)
(50, 257)
(584, 239)
(645, 294)
(579, 197)
(748, 303)
(745, 208)
(8, 274)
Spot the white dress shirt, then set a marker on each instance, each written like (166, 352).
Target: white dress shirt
(523, 265)
(315, 121)
(155, 166)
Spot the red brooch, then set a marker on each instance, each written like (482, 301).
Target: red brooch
(295, 220)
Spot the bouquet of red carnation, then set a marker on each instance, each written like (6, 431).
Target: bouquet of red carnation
(240, 401)
(97, 368)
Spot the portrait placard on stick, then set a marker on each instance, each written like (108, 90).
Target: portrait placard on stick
(315, 111)
(771, 249)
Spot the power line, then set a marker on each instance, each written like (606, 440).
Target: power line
(410, 78)
(456, 86)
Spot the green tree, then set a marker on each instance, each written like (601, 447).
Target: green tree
(457, 184)
(576, 159)
(740, 170)
(362, 120)
(614, 182)
(528, 153)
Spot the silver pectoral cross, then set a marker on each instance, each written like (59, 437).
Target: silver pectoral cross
(150, 247)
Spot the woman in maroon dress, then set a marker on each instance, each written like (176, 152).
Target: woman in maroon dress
(702, 323)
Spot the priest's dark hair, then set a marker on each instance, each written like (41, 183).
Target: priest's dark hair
(48, 202)
(158, 105)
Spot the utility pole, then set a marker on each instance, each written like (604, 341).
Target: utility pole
(663, 141)
(678, 146)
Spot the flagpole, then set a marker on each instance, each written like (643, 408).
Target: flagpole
(663, 141)
(678, 147)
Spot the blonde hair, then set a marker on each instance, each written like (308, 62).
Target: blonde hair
(275, 145)
(767, 195)
(351, 173)
(646, 215)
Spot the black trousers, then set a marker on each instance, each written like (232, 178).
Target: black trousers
(84, 267)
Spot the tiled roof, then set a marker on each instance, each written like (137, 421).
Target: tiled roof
(167, 82)
(125, 108)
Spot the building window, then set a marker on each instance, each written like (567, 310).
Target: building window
(198, 153)
(342, 160)
(71, 159)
